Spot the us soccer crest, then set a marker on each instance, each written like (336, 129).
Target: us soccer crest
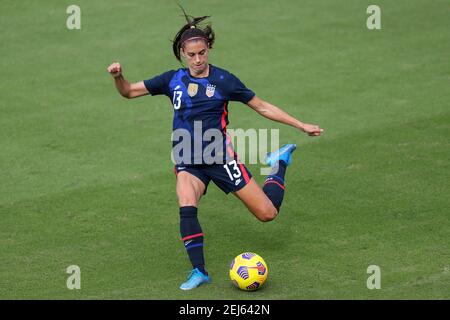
(192, 89)
(210, 89)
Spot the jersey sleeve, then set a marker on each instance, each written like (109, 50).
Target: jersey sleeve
(159, 84)
(239, 92)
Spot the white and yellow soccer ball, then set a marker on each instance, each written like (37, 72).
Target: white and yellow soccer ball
(248, 271)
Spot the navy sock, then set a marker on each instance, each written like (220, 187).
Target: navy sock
(192, 236)
(274, 184)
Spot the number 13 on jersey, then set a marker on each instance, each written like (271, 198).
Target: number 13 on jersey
(236, 171)
(176, 100)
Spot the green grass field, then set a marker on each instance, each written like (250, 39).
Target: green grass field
(86, 177)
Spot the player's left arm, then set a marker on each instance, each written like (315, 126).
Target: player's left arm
(274, 113)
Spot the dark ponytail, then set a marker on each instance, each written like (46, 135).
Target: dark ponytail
(192, 30)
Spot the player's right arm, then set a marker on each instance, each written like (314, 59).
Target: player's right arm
(125, 88)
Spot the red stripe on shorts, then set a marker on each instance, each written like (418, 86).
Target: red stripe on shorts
(244, 172)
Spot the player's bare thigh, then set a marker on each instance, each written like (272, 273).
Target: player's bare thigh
(256, 201)
(189, 189)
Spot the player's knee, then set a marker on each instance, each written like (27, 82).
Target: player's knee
(267, 213)
(187, 201)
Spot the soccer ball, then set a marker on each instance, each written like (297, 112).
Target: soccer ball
(248, 271)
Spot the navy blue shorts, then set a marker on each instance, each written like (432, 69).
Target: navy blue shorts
(229, 177)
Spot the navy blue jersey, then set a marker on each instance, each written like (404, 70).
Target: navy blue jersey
(200, 110)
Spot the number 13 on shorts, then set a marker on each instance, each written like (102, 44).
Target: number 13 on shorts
(233, 170)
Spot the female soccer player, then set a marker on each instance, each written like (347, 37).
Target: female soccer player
(200, 94)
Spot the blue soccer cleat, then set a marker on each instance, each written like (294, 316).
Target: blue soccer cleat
(284, 153)
(195, 279)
